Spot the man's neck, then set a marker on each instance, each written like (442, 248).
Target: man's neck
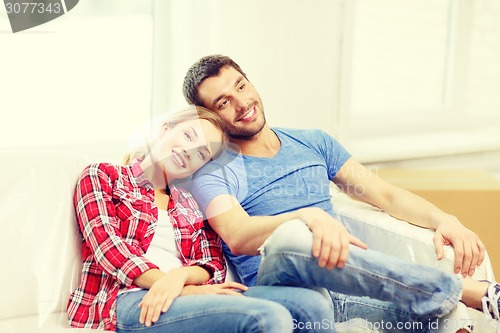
(264, 144)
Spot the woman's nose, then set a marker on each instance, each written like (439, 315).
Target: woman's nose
(187, 153)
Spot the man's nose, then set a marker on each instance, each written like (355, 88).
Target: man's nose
(241, 103)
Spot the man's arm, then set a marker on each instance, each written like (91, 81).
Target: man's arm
(360, 183)
(245, 234)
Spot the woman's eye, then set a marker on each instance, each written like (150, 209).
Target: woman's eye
(188, 136)
(202, 155)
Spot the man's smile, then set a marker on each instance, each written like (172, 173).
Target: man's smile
(249, 116)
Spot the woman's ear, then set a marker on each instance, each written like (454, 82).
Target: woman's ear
(164, 128)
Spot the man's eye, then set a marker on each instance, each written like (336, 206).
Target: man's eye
(223, 104)
(242, 86)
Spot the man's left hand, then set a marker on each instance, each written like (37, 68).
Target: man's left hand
(468, 248)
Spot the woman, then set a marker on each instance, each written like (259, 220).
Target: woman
(140, 275)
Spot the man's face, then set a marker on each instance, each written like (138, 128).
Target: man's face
(235, 99)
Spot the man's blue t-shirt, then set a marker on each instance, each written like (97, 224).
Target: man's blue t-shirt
(297, 176)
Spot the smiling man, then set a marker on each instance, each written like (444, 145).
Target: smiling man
(276, 181)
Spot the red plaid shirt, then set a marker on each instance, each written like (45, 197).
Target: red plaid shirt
(117, 217)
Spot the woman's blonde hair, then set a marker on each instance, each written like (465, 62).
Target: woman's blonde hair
(192, 112)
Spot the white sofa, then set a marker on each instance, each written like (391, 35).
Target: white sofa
(40, 247)
(39, 240)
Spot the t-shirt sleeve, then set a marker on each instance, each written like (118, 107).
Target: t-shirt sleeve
(214, 179)
(335, 154)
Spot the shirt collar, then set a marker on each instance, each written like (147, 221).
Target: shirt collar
(139, 178)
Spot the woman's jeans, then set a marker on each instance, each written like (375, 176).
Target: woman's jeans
(261, 309)
(386, 291)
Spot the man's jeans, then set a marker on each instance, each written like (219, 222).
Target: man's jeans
(386, 291)
(261, 309)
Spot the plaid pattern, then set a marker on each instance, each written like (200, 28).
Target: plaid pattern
(117, 217)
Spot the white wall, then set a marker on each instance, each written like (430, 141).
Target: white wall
(390, 79)
(288, 49)
(81, 82)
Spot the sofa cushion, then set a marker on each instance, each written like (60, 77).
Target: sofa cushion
(39, 241)
(51, 323)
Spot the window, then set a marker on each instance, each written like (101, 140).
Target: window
(421, 69)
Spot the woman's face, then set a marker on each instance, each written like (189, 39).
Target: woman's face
(186, 147)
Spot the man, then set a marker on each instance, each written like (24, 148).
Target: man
(281, 175)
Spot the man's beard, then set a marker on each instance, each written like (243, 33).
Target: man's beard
(246, 133)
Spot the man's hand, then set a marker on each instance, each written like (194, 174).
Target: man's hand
(468, 248)
(330, 238)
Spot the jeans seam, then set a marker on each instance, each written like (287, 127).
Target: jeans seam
(445, 304)
(191, 315)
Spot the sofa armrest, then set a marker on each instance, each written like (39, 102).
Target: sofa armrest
(384, 233)
(397, 238)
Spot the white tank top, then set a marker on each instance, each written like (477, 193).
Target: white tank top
(163, 249)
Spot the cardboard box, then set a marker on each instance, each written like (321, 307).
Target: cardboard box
(471, 195)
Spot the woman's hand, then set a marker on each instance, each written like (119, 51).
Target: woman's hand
(226, 288)
(168, 286)
(161, 295)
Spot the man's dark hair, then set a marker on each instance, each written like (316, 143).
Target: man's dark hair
(203, 69)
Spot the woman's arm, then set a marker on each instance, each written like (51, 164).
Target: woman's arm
(207, 253)
(164, 288)
(186, 275)
(202, 246)
(100, 226)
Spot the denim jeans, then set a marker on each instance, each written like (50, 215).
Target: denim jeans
(262, 309)
(372, 286)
